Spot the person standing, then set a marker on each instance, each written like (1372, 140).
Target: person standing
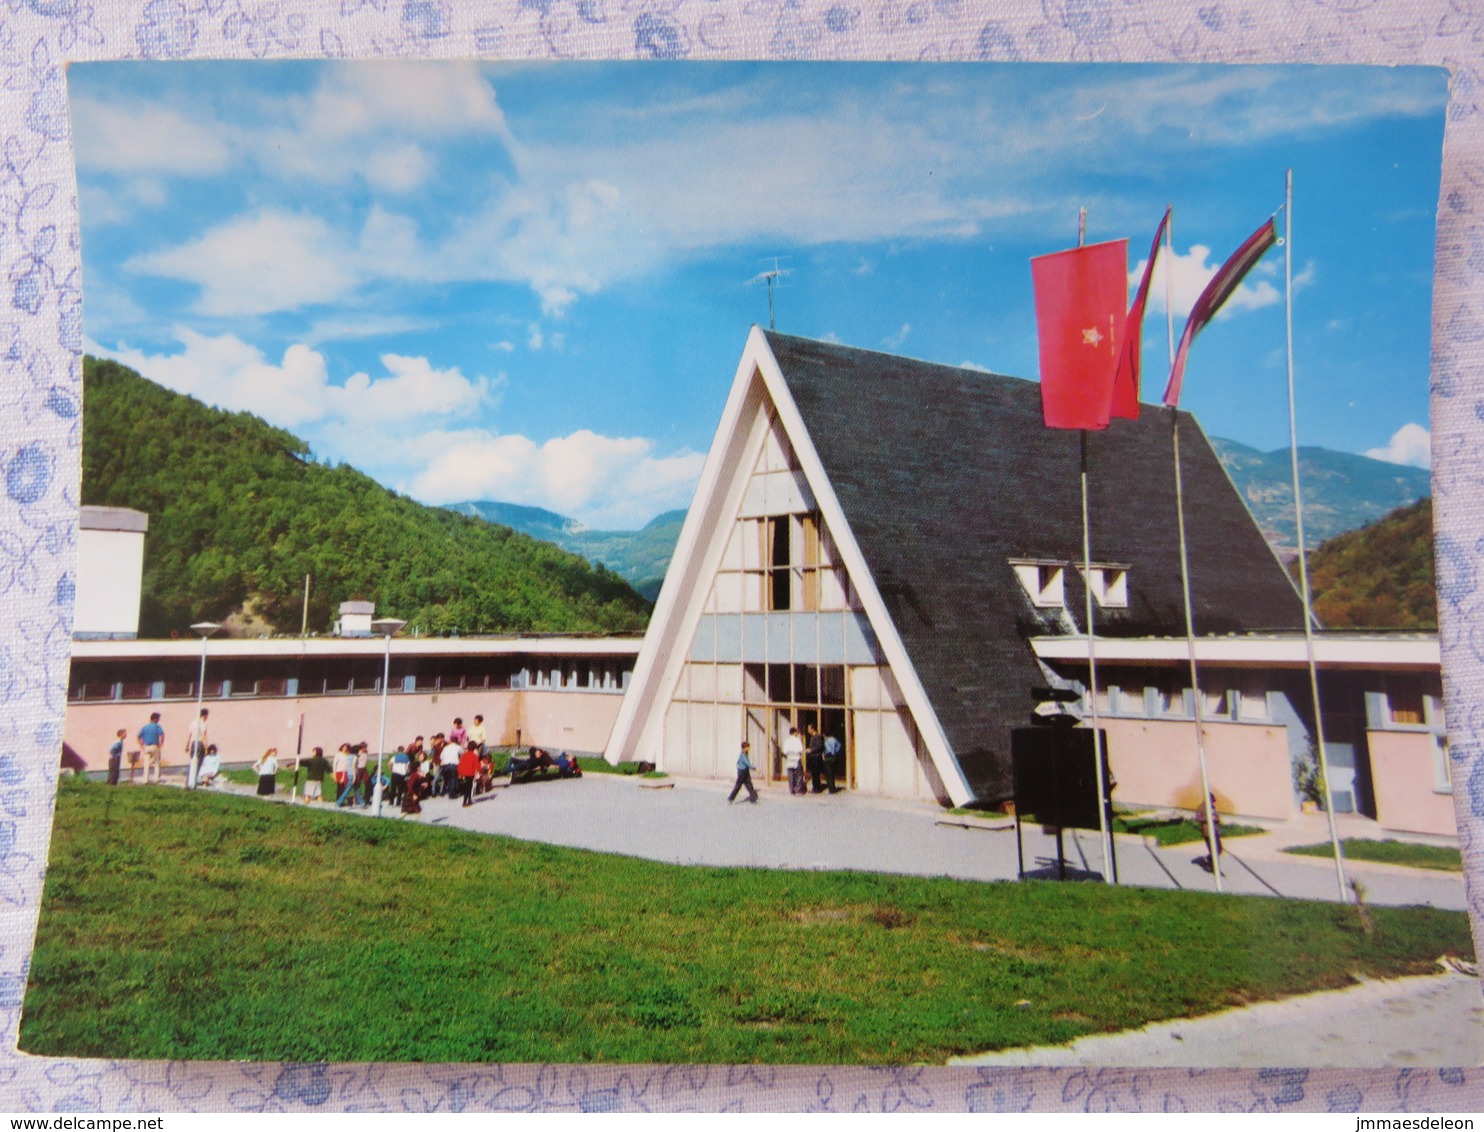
(361, 784)
(315, 768)
(793, 761)
(1210, 822)
(458, 735)
(196, 747)
(116, 757)
(151, 741)
(468, 771)
(815, 763)
(476, 735)
(401, 761)
(342, 773)
(832, 760)
(744, 776)
(267, 772)
(448, 767)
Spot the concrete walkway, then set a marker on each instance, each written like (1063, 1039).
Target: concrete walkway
(1431, 1021)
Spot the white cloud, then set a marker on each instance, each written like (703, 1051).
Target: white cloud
(133, 138)
(1411, 444)
(1191, 272)
(296, 391)
(267, 261)
(896, 340)
(534, 339)
(403, 425)
(605, 481)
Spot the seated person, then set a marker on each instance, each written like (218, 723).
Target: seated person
(211, 766)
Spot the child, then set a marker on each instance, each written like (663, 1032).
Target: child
(116, 758)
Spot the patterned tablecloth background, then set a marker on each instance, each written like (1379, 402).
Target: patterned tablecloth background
(40, 349)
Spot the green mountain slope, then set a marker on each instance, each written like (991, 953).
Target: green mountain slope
(1342, 491)
(639, 557)
(239, 514)
(1380, 576)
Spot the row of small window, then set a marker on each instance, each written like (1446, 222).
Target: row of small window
(1045, 583)
(1166, 693)
(569, 675)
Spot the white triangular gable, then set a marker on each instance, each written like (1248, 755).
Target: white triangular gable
(759, 393)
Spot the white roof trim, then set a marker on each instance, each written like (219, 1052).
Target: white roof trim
(227, 648)
(1267, 650)
(639, 728)
(861, 577)
(638, 731)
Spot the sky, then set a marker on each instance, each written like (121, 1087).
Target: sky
(532, 282)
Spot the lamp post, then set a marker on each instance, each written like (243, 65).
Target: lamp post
(204, 629)
(388, 627)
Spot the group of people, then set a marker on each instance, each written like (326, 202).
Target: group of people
(811, 758)
(455, 764)
(202, 759)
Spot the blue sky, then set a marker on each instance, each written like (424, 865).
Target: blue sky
(532, 282)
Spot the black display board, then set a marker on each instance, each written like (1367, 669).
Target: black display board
(1055, 775)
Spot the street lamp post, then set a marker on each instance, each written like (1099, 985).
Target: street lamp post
(388, 627)
(204, 629)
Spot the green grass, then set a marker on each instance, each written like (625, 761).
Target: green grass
(1176, 831)
(1439, 857)
(205, 926)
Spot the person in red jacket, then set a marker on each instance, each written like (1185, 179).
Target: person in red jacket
(468, 771)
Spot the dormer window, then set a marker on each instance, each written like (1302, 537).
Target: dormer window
(1043, 582)
(1109, 585)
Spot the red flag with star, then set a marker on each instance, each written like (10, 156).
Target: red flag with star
(1080, 322)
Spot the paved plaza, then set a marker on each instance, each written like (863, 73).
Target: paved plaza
(688, 822)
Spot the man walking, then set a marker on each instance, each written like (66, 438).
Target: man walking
(151, 740)
(744, 777)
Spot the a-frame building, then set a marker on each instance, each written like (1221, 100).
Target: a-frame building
(872, 544)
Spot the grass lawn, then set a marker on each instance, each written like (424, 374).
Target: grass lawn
(204, 926)
(1175, 831)
(1439, 857)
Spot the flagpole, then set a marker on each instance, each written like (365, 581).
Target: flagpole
(1104, 836)
(1298, 516)
(1195, 688)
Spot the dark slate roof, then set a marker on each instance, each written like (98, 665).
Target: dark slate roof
(946, 475)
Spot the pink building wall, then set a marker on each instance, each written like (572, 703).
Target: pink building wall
(1156, 765)
(1404, 779)
(244, 728)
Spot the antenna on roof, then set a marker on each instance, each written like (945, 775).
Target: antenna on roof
(770, 277)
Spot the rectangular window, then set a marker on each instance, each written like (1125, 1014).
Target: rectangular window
(779, 590)
(1442, 769)
(1404, 701)
(1169, 695)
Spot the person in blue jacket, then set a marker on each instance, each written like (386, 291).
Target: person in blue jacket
(744, 777)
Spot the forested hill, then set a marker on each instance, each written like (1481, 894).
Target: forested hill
(239, 514)
(1379, 576)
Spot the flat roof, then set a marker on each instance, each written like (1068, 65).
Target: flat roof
(1276, 650)
(227, 648)
(92, 518)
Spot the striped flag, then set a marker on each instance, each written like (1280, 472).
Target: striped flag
(1126, 380)
(1222, 284)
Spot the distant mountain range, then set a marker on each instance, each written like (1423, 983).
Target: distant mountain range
(1342, 491)
(639, 557)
